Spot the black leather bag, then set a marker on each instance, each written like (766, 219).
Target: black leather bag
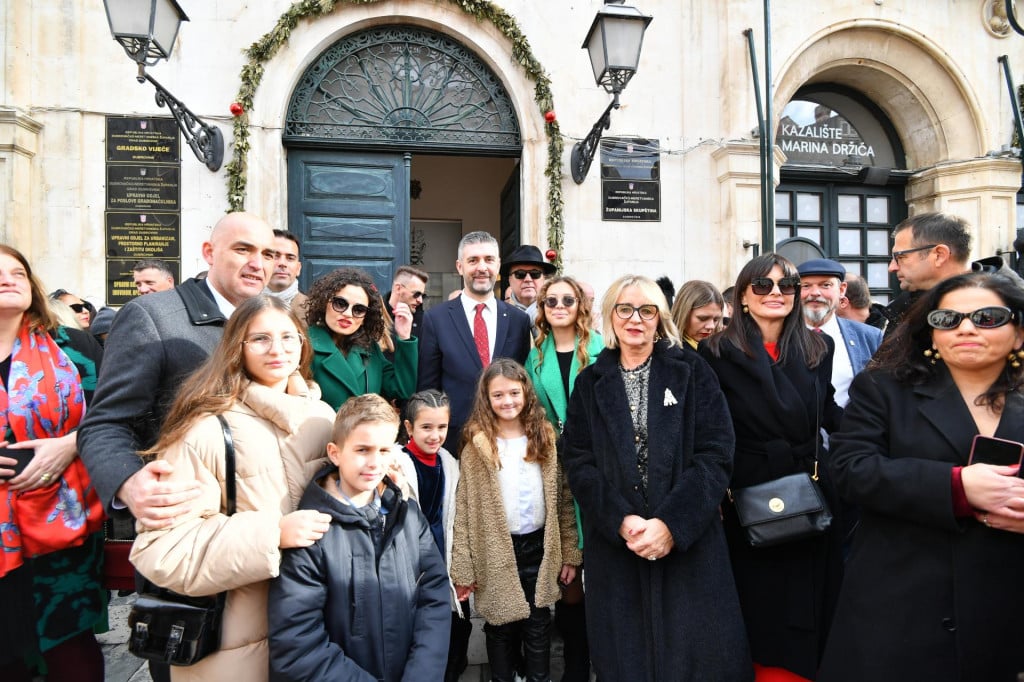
(173, 628)
(783, 510)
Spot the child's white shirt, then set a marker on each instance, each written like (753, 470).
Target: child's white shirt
(522, 487)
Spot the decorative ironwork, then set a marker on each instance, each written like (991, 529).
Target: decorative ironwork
(206, 141)
(583, 151)
(402, 84)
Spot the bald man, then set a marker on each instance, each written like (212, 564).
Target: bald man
(155, 343)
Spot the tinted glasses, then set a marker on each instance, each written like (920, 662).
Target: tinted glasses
(567, 301)
(521, 274)
(340, 305)
(983, 318)
(625, 311)
(78, 307)
(762, 286)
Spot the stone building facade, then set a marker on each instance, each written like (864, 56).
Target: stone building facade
(881, 108)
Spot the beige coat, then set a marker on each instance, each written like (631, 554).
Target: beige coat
(280, 443)
(482, 550)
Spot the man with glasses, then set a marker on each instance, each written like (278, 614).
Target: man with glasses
(524, 272)
(409, 286)
(927, 248)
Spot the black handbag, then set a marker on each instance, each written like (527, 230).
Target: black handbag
(173, 628)
(783, 510)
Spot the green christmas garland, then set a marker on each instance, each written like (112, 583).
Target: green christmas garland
(266, 47)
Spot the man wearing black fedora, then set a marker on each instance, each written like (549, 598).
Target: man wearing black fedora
(524, 271)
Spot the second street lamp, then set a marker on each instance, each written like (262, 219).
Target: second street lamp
(147, 29)
(614, 42)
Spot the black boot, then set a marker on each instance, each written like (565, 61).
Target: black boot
(571, 621)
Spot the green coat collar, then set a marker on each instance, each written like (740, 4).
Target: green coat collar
(547, 378)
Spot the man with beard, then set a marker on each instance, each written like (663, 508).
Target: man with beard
(284, 279)
(822, 285)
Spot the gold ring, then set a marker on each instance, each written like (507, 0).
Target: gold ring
(45, 477)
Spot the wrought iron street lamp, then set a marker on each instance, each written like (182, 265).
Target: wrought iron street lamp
(614, 43)
(147, 30)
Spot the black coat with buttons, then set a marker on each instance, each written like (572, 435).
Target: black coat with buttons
(926, 596)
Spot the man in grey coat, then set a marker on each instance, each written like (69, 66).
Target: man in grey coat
(156, 341)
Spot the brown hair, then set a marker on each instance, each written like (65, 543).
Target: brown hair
(216, 385)
(368, 408)
(540, 436)
(582, 323)
(38, 313)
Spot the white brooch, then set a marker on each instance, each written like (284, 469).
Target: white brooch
(669, 398)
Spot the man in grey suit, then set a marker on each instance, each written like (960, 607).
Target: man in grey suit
(156, 341)
(822, 285)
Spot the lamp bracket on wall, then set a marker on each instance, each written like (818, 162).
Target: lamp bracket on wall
(584, 150)
(206, 141)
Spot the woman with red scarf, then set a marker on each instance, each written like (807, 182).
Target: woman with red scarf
(51, 539)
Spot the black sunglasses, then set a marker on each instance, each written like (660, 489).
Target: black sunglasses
(989, 317)
(78, 307)
(340, 305)
(552, 301)
(762, 286)
(521, 274)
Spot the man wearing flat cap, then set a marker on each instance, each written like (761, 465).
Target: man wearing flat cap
(525, 270)
(822, 284)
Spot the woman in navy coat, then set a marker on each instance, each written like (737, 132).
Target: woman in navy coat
(776, 376)
(933, 586)
(661, 602)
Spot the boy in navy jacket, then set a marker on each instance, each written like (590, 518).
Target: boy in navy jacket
(369, 600)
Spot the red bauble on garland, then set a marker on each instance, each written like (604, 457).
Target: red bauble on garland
(236, 109)
(551, 254)
(549, 116)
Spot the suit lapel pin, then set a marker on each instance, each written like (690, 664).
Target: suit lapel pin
(669, 398)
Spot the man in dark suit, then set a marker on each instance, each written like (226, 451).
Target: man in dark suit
(449, 359)
(822, 286)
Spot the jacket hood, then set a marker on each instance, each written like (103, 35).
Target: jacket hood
(318, 498)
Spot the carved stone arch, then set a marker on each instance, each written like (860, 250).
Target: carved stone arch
(927, 99)
(403, 85)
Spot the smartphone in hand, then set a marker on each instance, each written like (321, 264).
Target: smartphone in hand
(23, 455)
(986, 450)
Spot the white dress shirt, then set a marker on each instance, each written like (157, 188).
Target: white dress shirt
(842, 366)
(490, 315)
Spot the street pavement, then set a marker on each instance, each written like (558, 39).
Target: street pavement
(121, 666)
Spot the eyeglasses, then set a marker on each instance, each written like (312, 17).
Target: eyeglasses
(624, 311)
(567, 301)
(898, 256)
(340, 305)
(534, 274)
(262, 343)
(78, 307)
(417, 295)
(762, 286)
(989, 317)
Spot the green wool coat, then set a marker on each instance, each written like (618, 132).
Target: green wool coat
(547, 379)
(364, 370)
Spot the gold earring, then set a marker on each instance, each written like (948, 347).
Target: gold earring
(745, 308)
(1014, 358)
(933, 354)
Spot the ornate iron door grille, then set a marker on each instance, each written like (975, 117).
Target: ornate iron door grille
(402, 86)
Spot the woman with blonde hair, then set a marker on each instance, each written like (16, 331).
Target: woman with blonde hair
(698, 311)
(647, 448)
(258, 380)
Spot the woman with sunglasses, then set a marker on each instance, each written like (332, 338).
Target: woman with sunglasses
(776, 375)
(564, 345)
(257, 379)
(697, 311)
(933, 589)
(647, 448)
(346, 320)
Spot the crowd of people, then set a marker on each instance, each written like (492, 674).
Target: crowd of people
(395, 466)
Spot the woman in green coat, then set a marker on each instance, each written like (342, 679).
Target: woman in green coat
(565, 345)
(345, 315)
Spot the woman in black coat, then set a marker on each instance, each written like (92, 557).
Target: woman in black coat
(933, 588)
(647, 448)
(776, 376)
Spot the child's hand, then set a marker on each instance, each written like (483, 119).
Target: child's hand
(567, 575)
(462, 592)
(302, 528)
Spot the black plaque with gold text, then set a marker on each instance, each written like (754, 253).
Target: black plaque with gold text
(121, 284)
(143, 187)
(133, 139)
(630, 179)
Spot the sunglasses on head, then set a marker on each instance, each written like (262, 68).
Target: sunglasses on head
(552, 301)
(521, 274)
(989, 317)
(340, 305)
(762, 286)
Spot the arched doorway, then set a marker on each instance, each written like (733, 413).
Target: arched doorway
(843, 184)
(382, 110)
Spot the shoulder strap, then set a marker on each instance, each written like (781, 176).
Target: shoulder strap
(229, 464)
